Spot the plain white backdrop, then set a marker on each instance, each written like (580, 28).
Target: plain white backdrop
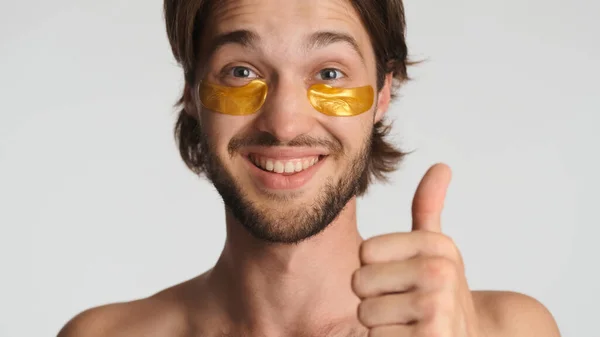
(97, 207)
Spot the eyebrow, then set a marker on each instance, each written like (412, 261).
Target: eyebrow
(325, 38)
(245, 38)
(249, 39)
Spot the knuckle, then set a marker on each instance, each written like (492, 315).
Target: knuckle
(453, 251)
(434, 305)
(358, 284)
(450, 247)
(365, 313)
(439, 270)
(366, 252)
(426, 305)
(445, 246)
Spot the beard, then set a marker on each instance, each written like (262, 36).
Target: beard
(267, 221)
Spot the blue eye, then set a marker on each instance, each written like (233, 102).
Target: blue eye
(242, 72)
(330, 74)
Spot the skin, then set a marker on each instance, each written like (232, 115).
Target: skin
(333, 284)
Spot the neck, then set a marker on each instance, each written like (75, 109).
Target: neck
(283, 289)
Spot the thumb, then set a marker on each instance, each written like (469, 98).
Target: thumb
(428, 201)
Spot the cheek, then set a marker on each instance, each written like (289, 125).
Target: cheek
(219, 129)
(352, 132)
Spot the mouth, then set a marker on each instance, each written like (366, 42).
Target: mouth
(281, 173)
(287, 167)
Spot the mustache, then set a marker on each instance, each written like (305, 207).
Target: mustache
(266, 139)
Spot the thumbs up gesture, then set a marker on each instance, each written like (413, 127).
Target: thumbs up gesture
(413, 284)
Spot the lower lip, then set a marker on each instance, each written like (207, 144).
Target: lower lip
(276, 181)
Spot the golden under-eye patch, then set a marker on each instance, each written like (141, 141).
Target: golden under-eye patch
(247, 99)
(341, 102)
(237, 101)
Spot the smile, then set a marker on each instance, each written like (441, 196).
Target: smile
(285, 166)
(283, 170)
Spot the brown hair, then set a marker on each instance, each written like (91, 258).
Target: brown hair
(385, 24)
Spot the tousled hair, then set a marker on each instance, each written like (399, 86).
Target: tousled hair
(385, 23)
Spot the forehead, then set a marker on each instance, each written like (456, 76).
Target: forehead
(286, 21)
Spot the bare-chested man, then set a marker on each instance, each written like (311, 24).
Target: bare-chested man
(283, 110)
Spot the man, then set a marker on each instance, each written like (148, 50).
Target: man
(283, 110)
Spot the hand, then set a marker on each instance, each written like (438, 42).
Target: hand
(413, 284)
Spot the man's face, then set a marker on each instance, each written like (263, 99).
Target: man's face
(287, 171)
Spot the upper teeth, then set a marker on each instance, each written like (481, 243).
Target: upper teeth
(281, 166)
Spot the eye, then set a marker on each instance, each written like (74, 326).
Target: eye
(330, 74)
(241, 72)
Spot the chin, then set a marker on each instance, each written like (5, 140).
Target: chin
(286, 208)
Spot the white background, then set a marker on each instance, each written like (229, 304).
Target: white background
(97, 207)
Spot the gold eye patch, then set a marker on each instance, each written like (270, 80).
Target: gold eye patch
(246, 100)
(340, 102)
(237, 101)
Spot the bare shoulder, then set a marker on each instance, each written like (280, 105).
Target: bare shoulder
(158, 315)
(505, 314)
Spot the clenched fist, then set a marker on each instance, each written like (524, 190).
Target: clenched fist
(413, 284)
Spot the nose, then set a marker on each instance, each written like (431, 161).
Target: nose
(286, 113)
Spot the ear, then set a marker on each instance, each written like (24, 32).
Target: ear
(384, 97)
(188, 102)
